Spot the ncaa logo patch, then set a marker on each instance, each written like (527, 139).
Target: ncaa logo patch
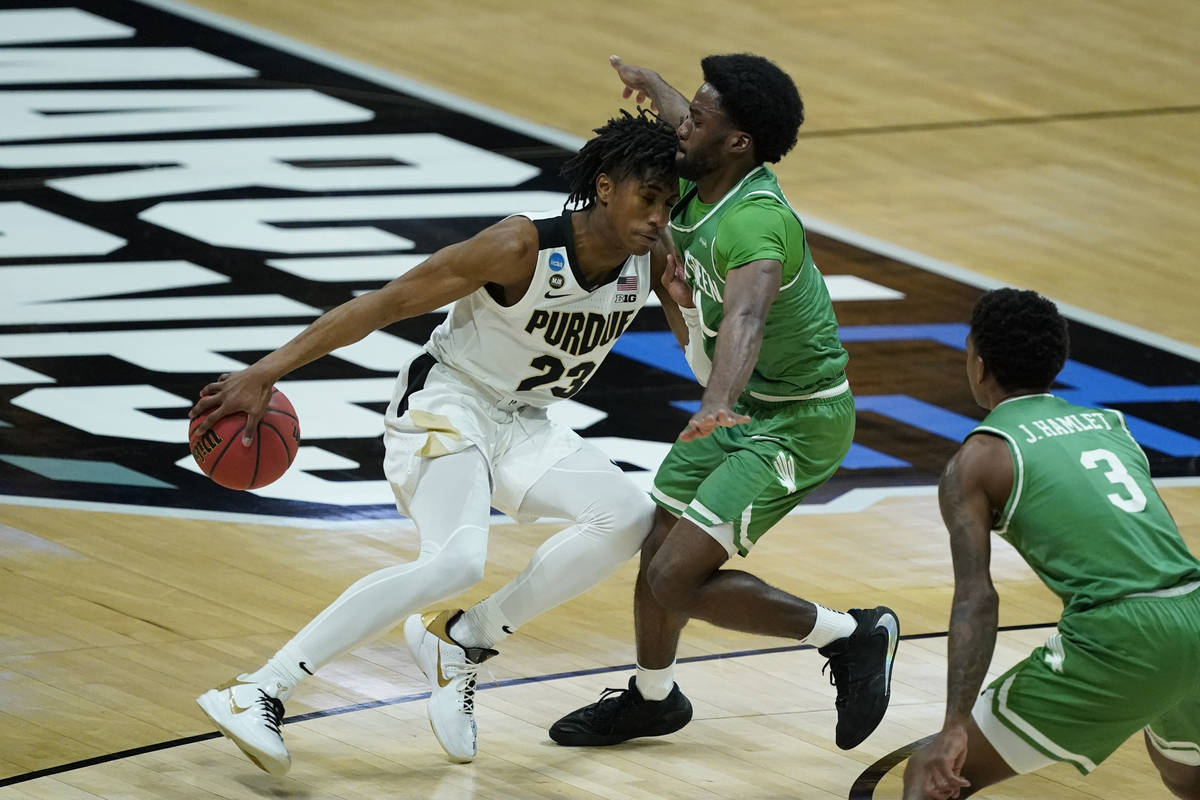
(557, 262)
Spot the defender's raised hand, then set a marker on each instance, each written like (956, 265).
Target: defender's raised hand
(648, 84)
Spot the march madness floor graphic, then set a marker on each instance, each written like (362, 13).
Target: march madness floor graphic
(174, 215)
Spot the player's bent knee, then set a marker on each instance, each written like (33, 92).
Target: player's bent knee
(459, 565)
(660, 527)
(453, 578)
(619, 513)
(617, 530)
(670, 590)
(633, 526)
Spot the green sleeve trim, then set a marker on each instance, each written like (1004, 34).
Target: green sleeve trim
(755, 231)
(1014, 498)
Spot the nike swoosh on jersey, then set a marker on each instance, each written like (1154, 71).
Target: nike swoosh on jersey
(552, 296)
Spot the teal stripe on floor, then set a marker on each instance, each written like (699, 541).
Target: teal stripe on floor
(73, 469)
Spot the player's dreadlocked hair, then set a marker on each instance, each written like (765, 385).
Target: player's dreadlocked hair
(641, 146)
(1021, 338)
(760, 99)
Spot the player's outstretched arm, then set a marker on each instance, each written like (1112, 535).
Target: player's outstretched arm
(669, 103)
(749, 291)
(974, 486)
(504, 253)
(972, 491)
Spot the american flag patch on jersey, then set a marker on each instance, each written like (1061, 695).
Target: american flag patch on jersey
(627, 283)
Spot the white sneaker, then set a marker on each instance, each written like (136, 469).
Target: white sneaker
(451, 670)
(250, 715)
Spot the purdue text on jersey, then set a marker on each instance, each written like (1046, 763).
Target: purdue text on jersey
(576, 332)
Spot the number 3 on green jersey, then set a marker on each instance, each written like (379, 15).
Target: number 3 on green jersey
(1118, 475)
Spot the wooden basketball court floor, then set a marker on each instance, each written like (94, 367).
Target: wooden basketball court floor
(1048, 146)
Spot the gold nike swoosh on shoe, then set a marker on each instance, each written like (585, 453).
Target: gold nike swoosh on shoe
(235, 708)
(230, 684)
(441, 679)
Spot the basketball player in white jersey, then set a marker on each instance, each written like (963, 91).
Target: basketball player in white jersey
(540, 300)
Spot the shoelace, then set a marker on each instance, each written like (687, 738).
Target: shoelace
(272, 712)
(611, 701)
(839, 677)
(470, 672)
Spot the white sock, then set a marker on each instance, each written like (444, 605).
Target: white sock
(830, 626)
(655, 684)
(482, 625)
(283, 670)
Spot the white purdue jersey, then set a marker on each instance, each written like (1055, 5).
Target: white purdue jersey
(546, 346)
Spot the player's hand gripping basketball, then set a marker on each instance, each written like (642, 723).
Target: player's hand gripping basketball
(243, 391)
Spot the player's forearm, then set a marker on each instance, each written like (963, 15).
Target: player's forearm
(734, 356)
(692, 342)
(672, 106)
(677, 322)
(973, 621)
(338, 327)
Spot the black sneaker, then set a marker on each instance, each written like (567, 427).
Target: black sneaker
(860, 666)
(622, 714)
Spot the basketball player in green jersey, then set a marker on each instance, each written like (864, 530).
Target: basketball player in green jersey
(775, 421)
(1070, 489)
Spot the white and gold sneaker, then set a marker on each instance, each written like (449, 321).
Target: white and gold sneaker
(451, 670)
(251, 715)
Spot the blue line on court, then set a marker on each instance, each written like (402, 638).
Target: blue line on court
(408, 698)
(1077, 383)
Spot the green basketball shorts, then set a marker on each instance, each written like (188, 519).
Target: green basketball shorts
(738, 482)
(1107, 673)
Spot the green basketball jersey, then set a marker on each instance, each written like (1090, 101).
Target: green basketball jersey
(1083, 512)
(801, 353)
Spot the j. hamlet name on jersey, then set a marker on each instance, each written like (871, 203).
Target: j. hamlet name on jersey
(544, 347)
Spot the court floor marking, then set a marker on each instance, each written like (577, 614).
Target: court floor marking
(851, 502)
(864, 499)
(570, 142)
(561, 139)
(863, 787)
(414, 696)
(996, 122)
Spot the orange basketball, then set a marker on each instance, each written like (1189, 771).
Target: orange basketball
(221, 456)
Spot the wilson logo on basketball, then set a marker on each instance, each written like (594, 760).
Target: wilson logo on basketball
(209, 442)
